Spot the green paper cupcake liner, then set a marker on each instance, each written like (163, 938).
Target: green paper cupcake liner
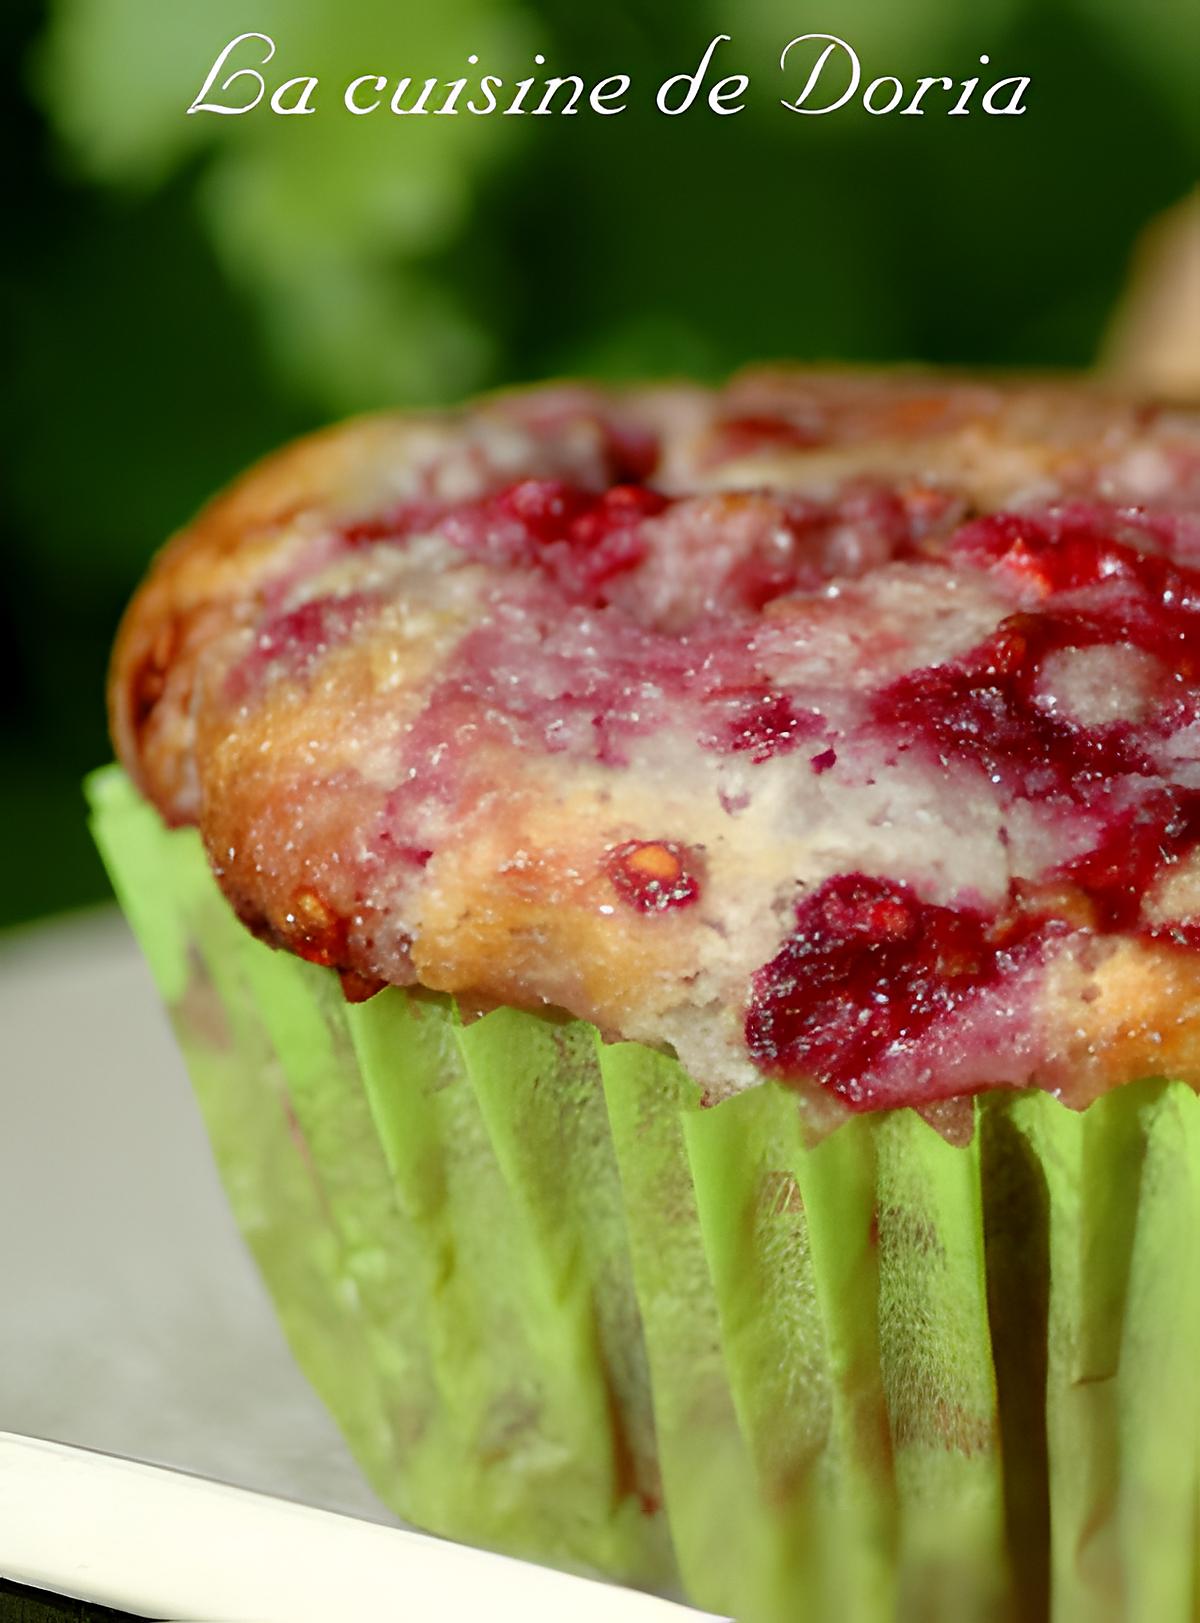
(560, 1309)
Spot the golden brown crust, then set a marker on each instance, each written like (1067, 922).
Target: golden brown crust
(208, 575)
(307, 675)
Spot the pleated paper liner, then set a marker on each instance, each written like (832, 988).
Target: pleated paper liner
(561, 1310)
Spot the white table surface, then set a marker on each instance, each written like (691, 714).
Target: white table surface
(131, 1318)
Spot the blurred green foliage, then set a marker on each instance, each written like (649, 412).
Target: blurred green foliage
(185, 292)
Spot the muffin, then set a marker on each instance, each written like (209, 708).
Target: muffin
(720, 1110)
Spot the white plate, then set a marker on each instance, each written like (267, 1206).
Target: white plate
(170, 1546)
(135, 1324)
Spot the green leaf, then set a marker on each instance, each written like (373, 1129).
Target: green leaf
(328, 221)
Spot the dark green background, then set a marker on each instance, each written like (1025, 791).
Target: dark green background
(20, 1604)
(182, 294)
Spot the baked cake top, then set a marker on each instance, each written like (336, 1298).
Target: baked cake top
(841, 728)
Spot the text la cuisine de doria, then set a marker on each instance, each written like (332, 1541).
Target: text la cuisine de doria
(818, 74)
